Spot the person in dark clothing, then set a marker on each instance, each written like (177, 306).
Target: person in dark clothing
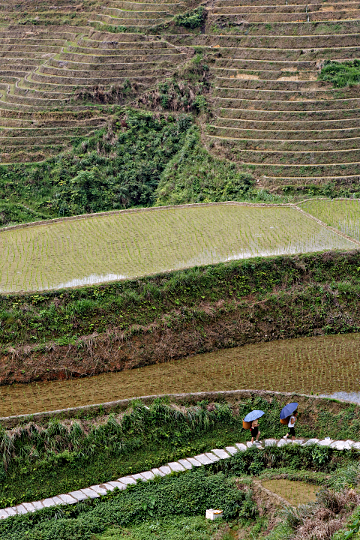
(255, 432)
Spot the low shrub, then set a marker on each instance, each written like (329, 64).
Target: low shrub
(191, 19)
(341, 74)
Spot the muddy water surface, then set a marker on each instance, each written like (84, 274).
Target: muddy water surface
(323, 365)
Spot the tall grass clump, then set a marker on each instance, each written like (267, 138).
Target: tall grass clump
(160, 422)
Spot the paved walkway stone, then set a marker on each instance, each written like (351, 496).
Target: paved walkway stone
(78, 495)
(207, 458)
(137, 477)
(220, 453)
(203, 459)
(48, 502)
(194, 462)
(99, 489)
(270, 442)
(310, 442)
(127, 480)
(282, 442)
(241, 446)
(156, 472)
(90, 493)
(325, 442)
(114, 484)
(341, 445)
(66, 497)
(231, 450)
(148, 475)
(21, 509)
(176, 467)
(212, 456)
(185, 463)
(29, 507)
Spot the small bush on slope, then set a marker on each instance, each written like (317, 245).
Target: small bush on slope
(11, 214)
(341, 73)
(191, 19)
(193, 175)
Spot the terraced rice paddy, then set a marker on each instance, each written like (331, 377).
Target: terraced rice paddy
(271, 112)
(129, 244)
(294, 493)
(319, 365)
(341, 214)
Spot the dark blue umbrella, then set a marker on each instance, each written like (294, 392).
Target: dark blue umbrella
(288, 410)
(253, 415)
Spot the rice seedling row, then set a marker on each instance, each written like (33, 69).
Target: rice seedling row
(318, 365)
(343, 214)
(125, 245)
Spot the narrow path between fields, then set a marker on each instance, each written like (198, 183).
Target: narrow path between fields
(182, 465)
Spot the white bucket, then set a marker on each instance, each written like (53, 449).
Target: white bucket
(213, 514)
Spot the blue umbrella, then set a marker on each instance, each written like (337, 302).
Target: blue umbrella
(288, 410)
(253, 415)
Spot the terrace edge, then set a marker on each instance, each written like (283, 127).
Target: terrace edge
(123, 404)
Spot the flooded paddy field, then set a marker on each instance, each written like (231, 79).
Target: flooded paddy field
(343, 214)
(109, 247)
(318, 365)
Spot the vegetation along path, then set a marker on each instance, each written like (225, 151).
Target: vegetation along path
(182, 465)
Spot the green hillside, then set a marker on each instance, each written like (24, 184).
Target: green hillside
(270, 96)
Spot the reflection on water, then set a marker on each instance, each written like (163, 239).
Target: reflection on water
(354, 397)
(89, 280)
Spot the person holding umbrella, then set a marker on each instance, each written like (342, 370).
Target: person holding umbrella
(255, 431)
(251, 422)
(291, 426)
(288, 416)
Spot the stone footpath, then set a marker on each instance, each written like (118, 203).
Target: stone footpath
(93, 492)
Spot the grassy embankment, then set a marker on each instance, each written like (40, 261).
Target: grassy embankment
(55, 456)
(236, 486)
(149, 320)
